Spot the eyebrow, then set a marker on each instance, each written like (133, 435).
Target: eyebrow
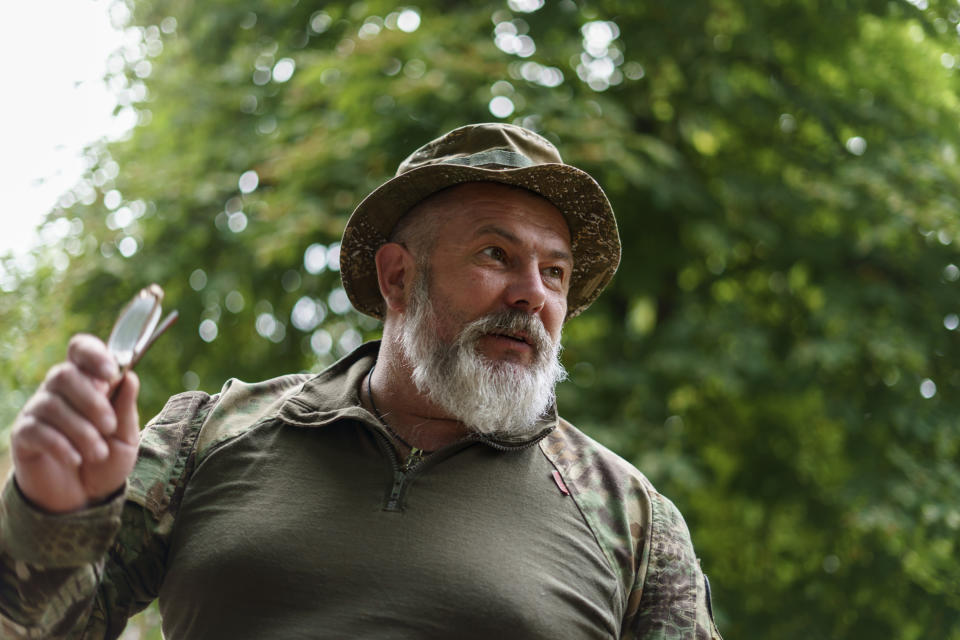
(555, 254)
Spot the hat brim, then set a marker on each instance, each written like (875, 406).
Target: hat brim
(595, 242)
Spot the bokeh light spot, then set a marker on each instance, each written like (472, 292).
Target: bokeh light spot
(237, 222)
(788, 124)
(338, 301)
(315, 258)
(190, 380)
(283, 70)
(856, 145)
(501, 106)
(198, 279)
(123, 217)
(112, 199)
(321, 342)
(408, 21)
(831, 563)
(525, 6)
(143, 69)
(306, 314)
(333, 257)
(598, 35)
(415, 68)
(267, 125)
(349, 340)
(248, 181)
(234, 302)
(634, 70)
(127, 246)
(320, 22)
(270, 328)
(208, 330)
(370, 28)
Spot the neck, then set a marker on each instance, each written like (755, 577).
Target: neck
(401, 405)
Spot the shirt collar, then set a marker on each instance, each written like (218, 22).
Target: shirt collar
(333, 395)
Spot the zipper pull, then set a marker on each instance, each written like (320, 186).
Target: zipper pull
(413, 459)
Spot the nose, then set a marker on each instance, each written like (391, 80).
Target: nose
(526, 290)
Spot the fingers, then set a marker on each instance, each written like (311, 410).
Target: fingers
(86, 395)
(91, 355)
(79, 432)
(51, 409)
(125, 404)
(35, 438)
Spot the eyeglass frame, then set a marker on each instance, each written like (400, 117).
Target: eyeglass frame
(152, 326)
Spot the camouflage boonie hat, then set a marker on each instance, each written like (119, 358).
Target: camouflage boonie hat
(491, 152)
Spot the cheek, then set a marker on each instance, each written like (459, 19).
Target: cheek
(486, 278)
(479, 288)
(553, 315)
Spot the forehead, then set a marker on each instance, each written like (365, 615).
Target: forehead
(468, 209)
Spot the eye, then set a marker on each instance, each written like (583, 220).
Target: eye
(554, 273)
(496, 253)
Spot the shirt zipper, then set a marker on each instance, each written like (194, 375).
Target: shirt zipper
(416, 461)
(400, 476)
(413, 465)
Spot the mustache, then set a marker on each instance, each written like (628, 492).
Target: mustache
(514, 323)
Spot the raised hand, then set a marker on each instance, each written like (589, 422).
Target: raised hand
(75, 441)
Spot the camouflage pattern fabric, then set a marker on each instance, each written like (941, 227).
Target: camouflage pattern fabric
(643, 535)
(82, 575)
(50, 566)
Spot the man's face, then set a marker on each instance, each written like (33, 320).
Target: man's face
(499, 248)
(482, 324)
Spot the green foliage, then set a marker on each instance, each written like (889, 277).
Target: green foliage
(778, 351)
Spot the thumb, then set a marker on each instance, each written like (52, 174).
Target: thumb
(125, 406)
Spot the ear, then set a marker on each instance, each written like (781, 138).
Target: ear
(395, 272)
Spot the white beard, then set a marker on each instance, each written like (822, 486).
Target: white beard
(489, 397)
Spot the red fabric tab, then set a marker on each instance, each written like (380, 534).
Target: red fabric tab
(560, 483)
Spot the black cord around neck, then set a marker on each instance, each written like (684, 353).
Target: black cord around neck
(383, 421)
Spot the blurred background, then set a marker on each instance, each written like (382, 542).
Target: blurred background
(779, 351)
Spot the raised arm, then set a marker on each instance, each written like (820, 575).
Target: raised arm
(73, 446)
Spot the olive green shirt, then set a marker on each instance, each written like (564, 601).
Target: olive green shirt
(281, 510)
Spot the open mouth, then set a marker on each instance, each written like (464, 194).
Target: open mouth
(519, 338)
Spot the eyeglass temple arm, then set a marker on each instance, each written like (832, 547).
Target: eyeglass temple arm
(163, 326)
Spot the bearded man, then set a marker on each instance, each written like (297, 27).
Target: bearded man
(422, 487)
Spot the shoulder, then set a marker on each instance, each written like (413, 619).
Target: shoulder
(642, 532)
(192, 423)
(235, 408)
(577, 452)
(242, 405)
(615, 499)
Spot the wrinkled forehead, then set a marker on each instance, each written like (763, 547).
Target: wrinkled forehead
(472, 205)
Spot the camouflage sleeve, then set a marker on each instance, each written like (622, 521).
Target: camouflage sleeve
(665, 594)
(674, 598)
(50, 565)
(81, 575)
